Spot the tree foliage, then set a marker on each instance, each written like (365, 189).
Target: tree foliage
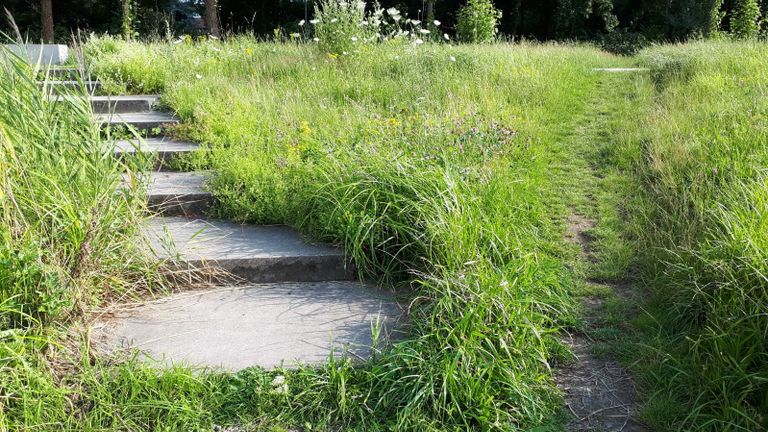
(745, 20)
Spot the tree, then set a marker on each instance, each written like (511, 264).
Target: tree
(745, 20)
(46, 15)
(211, 17)
(584, 18)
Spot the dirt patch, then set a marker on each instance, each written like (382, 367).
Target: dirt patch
(599, 393)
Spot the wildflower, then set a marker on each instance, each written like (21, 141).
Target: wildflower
(294, 35)
(393, 11)
(316, 39)
(446, 37)
(418, 41)
(198, 76)
(415, 22)
(314, 21)
(301, 23)
(436, 22)
(343, 53)
(279, 386)
(248, 51)
(334, 20)
(424, 31)
(453, 59)
(354, 38)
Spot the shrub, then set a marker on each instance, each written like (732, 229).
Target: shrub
(745, 21)
(339, 25)
(477, 21)
(623, 42)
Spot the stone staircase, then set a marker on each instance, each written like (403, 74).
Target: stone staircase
(294, 301)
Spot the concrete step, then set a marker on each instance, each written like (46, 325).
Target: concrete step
(71, 86)
(261, 254)
(151, 123)
(165, 149)
(123, 104)
(65, 73)
(178, 193)
(267, 325)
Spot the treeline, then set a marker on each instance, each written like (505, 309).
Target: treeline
(652, 20)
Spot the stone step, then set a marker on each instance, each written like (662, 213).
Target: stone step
(261, 254)
(178, 193)
(165, 149)
(151, 122)
(123, 104)
(267, 325)
(65, 73)
(71, 86)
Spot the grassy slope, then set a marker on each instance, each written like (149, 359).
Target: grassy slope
(417, 163)
(696, 213)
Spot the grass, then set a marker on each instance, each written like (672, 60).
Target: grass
(447, 172)
(434, 174)
(694, 213)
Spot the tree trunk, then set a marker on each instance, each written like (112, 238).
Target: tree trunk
(211, 17)
(430, 12)
(46, 14)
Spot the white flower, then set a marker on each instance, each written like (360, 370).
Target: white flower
(314, 21)
(415, 22)
(343, 53)
(178, 41)
(406, 33)
(446, 37)
(301, 23)
(393, 11)
(453, 59)
(278, 381)
(354, 38)
(418, 41)
(198, 76)
(334, 20)
(436, 22)
(316, 39)
(424, 31)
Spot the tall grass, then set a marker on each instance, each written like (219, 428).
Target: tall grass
(437, 167)
(699, 222)
(68, 243)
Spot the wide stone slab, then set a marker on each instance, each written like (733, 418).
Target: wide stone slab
(265, 325)
(165, 148)
(178, 193)
(271, 253)
(123, 104)
(46, 54)
(150, 122)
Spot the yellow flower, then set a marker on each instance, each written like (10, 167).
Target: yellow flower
(248, 51)
(305, 129)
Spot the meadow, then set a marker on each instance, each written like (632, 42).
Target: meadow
(448, 173)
